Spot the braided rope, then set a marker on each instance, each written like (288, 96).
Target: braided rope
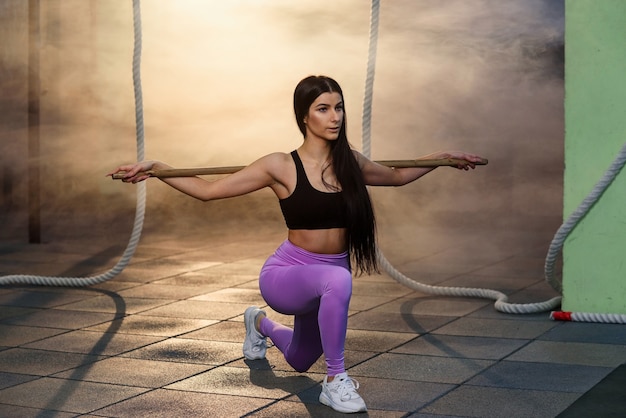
(589, 317)
(366, 121)
(562, 233)
(501, 299)
(141, 191)
(579, 213)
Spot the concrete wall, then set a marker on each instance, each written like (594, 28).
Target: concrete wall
(594, 256)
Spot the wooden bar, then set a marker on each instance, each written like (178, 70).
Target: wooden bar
(208, 171)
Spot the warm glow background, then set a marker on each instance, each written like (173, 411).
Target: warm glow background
(480, 75)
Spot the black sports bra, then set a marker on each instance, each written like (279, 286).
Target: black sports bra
(309, 208)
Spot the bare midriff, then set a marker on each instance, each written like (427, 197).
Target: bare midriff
(321, 241)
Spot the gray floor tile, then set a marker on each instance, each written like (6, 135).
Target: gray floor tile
(38, 299)
(53, 318)
(142, 275)
(156, 269)
(12, 379)
(413, 272)
(40, 362)
(162, 403)
(16, 335)
(243, 382)
(438, 265)
(421, 368)
(246, 266)
(160, 291)
(587, 332)
(229, 331)
(396, 322)
(504, 285)
(153, 325)
(236, 295)
(474, 401)
(539, 291)
(364, 303)
(23, 412)
(66, 395)
(113, 286)
(586, 354)
(133, 372)
(541, 376)
(461, 346)
(432, 305)
(516, 266)
(207, 280)
(190, 351)
(399, 395)
(120, 305)
(295, 407)
(389, 289)
(199, 309)
(90, 342)
(378, 341)
(499, 328)
(11, 311)
(277, 361)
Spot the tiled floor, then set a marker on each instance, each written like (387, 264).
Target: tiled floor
(163, 339)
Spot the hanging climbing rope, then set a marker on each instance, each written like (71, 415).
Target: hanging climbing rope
(141, 190)
(501, 300)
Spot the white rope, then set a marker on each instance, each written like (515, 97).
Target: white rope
(578, 214)
(563, 232)
(589, 317)
(26, 279)
(366, 121)
(501, 299)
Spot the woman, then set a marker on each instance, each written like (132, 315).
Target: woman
(321, 188)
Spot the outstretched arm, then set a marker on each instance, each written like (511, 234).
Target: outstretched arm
(379, 175)
(264, 172)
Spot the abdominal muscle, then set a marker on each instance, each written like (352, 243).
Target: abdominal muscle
(321, 241)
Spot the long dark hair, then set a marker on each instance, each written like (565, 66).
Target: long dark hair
(361, 222)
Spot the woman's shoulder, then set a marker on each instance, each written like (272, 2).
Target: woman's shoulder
(277, 158)
(275, 162)
(360, 158)
(281, 167)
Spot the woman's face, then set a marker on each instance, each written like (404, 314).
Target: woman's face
(325, 117)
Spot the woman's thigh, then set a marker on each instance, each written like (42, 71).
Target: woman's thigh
(297, 289)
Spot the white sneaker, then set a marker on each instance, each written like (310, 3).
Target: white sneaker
(341, 395)
(255, 344)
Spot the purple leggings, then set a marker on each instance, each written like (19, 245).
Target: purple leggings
(316, 288)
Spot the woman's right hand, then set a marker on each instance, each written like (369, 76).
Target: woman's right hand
(134, 173)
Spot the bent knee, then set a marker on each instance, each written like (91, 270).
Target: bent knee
(339, 281)
(301, 365)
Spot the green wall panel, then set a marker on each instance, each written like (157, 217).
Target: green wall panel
(594, 255)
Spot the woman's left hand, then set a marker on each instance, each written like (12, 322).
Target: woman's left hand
(466, 160)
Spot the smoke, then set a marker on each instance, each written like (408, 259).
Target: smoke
(483, 76)
(480, 75)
